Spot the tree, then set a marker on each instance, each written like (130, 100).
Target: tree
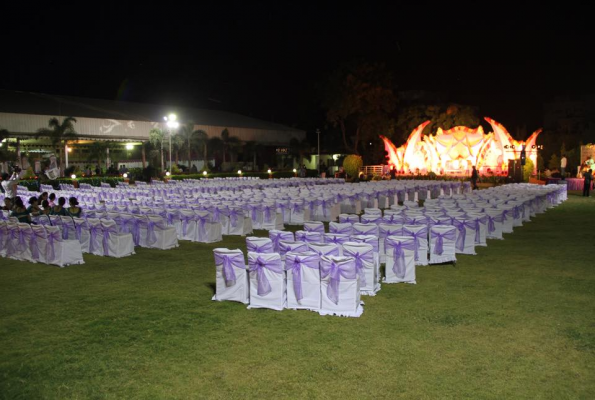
(98, 151)
(359, 98)
(230, 143)
(251, 148)
(554, 162)
(191, 137)
(215, 148)
(352, 164)
(4, 134)
(156, 137)
(59, 133)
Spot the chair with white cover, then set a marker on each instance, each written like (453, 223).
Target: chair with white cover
(95, 236)
(366, 266)
(276, 236)
(62, 252)
(314, 226)
(507, 218)
(480, 220)
(339, 287)
(271, 219)
(373, 211)
(259, 245)
(465, 243)
(239, 223)
(82, 233)
(384, 231)
(68, 227)
(267, 281)
(159, 234)
(336, 238)
(348, 218)
(419, 233)
(371, 219)
(340, 228)
(115, 244)
(365, 229)
(303, 280)
(189, 225)
(256, 214)
(207, 231)
(3, 237)
(12, 240)
(39, 246)
(442, 244)
(495, 220)
(400, 259)
(308, 237)
(393, 219)
(298, 212)
(351, 204)
(325, 249)
(231, 279)
(26, 238)
(411, 204)
(294, 247)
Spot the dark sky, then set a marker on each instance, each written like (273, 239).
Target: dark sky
(266, 59)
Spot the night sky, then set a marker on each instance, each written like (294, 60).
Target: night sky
(268, 59)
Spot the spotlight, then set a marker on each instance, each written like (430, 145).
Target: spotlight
(269, 171)
(239, 172)
(204, 173)
(129, 146)
(167, 173)
(125, 175)
(73, 176)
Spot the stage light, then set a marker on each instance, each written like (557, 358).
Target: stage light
(73, 176)
(167, 173)
(269, 171)
(204, 173)
(294, 170)
(125, 175)
(239, 172)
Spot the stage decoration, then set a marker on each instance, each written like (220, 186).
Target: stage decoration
(457, 150)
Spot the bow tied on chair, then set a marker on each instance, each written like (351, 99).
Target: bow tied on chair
(295, 264)
(420, 234)
(336, 270)
(360, 259)
(52, 238)
(107, 232)
(229, 262)
(258, 265)
(398, 253)
(439, 247)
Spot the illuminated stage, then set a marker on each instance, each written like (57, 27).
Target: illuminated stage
(455, 151)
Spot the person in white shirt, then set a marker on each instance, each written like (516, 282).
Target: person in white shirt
(563, 162)
(10, 183)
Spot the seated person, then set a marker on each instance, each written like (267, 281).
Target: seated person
(46, 209)
(74, 210)
(20, 212)
(59, 209)
(7, 204)
(33, 206)
(52, 199)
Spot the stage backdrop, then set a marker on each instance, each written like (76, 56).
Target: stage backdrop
(455, 151)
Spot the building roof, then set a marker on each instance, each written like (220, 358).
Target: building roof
(44, 104)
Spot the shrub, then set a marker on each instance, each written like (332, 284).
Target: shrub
(528, 169)
(352, 164)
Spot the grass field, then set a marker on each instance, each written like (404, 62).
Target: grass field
(515, 321)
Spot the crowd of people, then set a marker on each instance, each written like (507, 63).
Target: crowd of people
(39, 206)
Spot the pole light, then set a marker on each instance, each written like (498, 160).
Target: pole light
(172, 124)
(204, 173)
(318, 135)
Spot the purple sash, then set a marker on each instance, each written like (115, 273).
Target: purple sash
(392, 231)
(360, 258)
(229, 262)
(258, 265)
(477, 221)
(399, 248)
(25, 238)
(66, 229)
(439, 247)
(297, 208)
(330, 267)
(300, 236)
(393, 219)
(334, 238)
(344, 230)
(202, 231)
(269, 210)
(295, 248)
(50, 251)
(461, 226)
(315, 228)
(185, 219)
(421, 234)
(294, 263)
(265, 248)
(276, 237)
(491, 220)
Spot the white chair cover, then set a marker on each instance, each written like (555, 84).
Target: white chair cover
(325, 249)
(465, 243)
(267, 281)
(231, 276)
(277, 236)
(348, 218)
(303, 280)
(62, 252)
(207, 231)
(495, 220)
(419, 233)
(159, 234)
(442, 244)
(115, 244)
(299, 212)
(400, 259)
(365, 229)
(259, 245)
(314, 226)
(294, 247)
(366, 265)
(339, 287)
(239, 223)
(341, 228)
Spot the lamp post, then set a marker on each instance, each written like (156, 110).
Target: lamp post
(172, 124)
(318, 135)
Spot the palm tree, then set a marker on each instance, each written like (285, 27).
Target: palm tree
(251, 149)
(3, 134)
(177, 143)
(216, 147)
(59, 133)
(190, 136)
(156, 137)
(230, 143)
(202, 140)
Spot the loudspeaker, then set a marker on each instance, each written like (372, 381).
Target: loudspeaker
(515, 170)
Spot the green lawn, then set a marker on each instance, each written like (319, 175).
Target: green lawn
(515, 321)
